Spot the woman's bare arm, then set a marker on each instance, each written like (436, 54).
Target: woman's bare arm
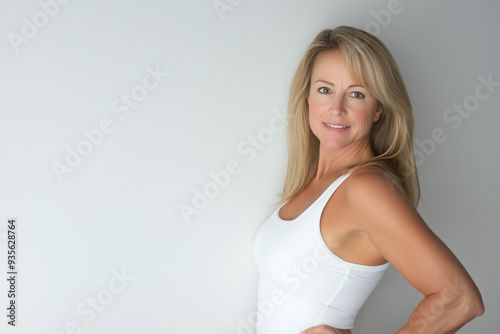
(402, 238)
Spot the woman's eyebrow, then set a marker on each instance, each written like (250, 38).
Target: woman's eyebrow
(331, 84)
(327, 82)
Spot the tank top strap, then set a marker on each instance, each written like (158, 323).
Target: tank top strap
(323, 199)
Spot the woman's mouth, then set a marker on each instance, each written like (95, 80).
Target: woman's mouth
(336, 127)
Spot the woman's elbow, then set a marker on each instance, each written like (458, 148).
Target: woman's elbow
(478, 308)
(473, 304)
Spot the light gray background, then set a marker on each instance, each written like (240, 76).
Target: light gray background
(119, 209)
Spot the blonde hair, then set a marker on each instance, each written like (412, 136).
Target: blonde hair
(369, 61)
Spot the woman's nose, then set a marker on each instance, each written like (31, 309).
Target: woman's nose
(337, 106)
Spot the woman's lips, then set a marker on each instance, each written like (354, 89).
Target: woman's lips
(336, 127)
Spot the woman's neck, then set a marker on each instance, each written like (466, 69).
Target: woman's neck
(332, 162)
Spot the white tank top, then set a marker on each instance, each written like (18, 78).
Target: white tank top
(302, 283)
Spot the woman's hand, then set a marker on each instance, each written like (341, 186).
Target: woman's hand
(324, 329)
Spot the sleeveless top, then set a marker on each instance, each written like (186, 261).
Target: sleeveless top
(302, 283)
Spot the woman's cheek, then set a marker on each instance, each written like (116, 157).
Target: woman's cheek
(316, 107)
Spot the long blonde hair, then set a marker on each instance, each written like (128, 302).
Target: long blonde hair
(369, 61)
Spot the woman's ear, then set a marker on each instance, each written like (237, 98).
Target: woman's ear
(378, 113)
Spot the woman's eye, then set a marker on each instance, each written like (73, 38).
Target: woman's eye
(324, 90)
(357, 95)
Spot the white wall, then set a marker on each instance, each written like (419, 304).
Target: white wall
(118, 209)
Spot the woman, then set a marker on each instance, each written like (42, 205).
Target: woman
(349, 202)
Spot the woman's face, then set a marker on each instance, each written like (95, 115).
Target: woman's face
(341, 111)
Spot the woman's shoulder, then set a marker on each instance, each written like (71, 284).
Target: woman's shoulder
(372, 183)
(376, 201)
(368, 175)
